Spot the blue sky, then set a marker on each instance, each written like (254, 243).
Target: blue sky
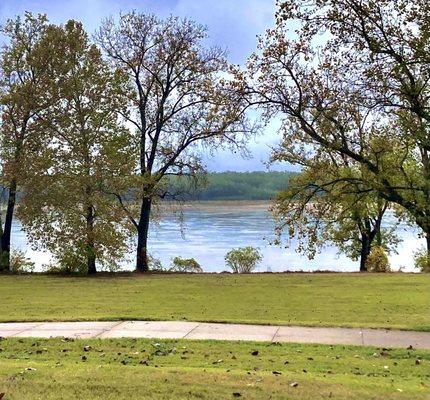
(232, 24)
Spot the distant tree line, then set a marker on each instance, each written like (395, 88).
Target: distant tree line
(239, 186)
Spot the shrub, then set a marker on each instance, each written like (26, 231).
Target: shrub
(154, 263)
(72, 262)
(19, 263)
(378, 260)
(243, 259)
(55, 269)
(180, 264)
(422, 260)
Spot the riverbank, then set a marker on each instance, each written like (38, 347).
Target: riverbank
(393, 301)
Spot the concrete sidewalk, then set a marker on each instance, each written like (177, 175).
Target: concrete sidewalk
(200, 330)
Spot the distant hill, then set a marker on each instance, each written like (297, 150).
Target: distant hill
(243, 185)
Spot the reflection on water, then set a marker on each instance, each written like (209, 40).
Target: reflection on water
(210, 232)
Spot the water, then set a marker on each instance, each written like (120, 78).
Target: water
(210, 231)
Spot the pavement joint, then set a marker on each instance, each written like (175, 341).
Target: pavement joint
(275, 334)
(110, 329)
(191, 330)
(27, 329)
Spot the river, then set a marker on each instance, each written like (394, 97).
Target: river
(210, 230)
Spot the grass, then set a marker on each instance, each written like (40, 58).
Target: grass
(350, 300)
(173, 369)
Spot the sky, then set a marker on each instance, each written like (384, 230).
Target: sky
(232, 25)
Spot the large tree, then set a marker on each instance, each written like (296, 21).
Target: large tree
(67, 205)
(24, 82)
(353, 77)
(182, 98)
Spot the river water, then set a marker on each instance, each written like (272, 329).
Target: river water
(210, 230)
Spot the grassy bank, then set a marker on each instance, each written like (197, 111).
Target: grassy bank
(354, 300)
(142, 369)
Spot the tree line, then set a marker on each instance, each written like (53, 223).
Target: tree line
(84, 119)
(238, 186)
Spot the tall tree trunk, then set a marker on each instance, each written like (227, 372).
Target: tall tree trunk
(5, 237)
(91, 255)
(142, 236)
(365, 251)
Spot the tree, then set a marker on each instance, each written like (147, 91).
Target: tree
(67, 203)
(353, 77)
(24, 82)
(181, 99)
(322, 206)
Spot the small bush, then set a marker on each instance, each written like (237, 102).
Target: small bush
(154, 263)
(73, 262)
(55, 269)
(243, 259)
(19, 263)
(422, 260)
(378, 260)
(180, 264)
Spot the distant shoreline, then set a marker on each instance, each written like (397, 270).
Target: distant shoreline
(220, 205)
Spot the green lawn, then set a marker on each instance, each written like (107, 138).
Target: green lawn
(354, 300)
(118, 369)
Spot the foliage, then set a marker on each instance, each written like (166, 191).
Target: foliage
(19, 263)
(378, 260)
(182, 97)
(422, 260)
(180, 264)
(351, 78)
(154, 263)
(320, 206)
(24, 81)
(68, 203)
(243, 259)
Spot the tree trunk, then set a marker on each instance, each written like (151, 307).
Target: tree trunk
(5, 237)
(428, 243)
(365, 251)
(142, 236)
(91, 255)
